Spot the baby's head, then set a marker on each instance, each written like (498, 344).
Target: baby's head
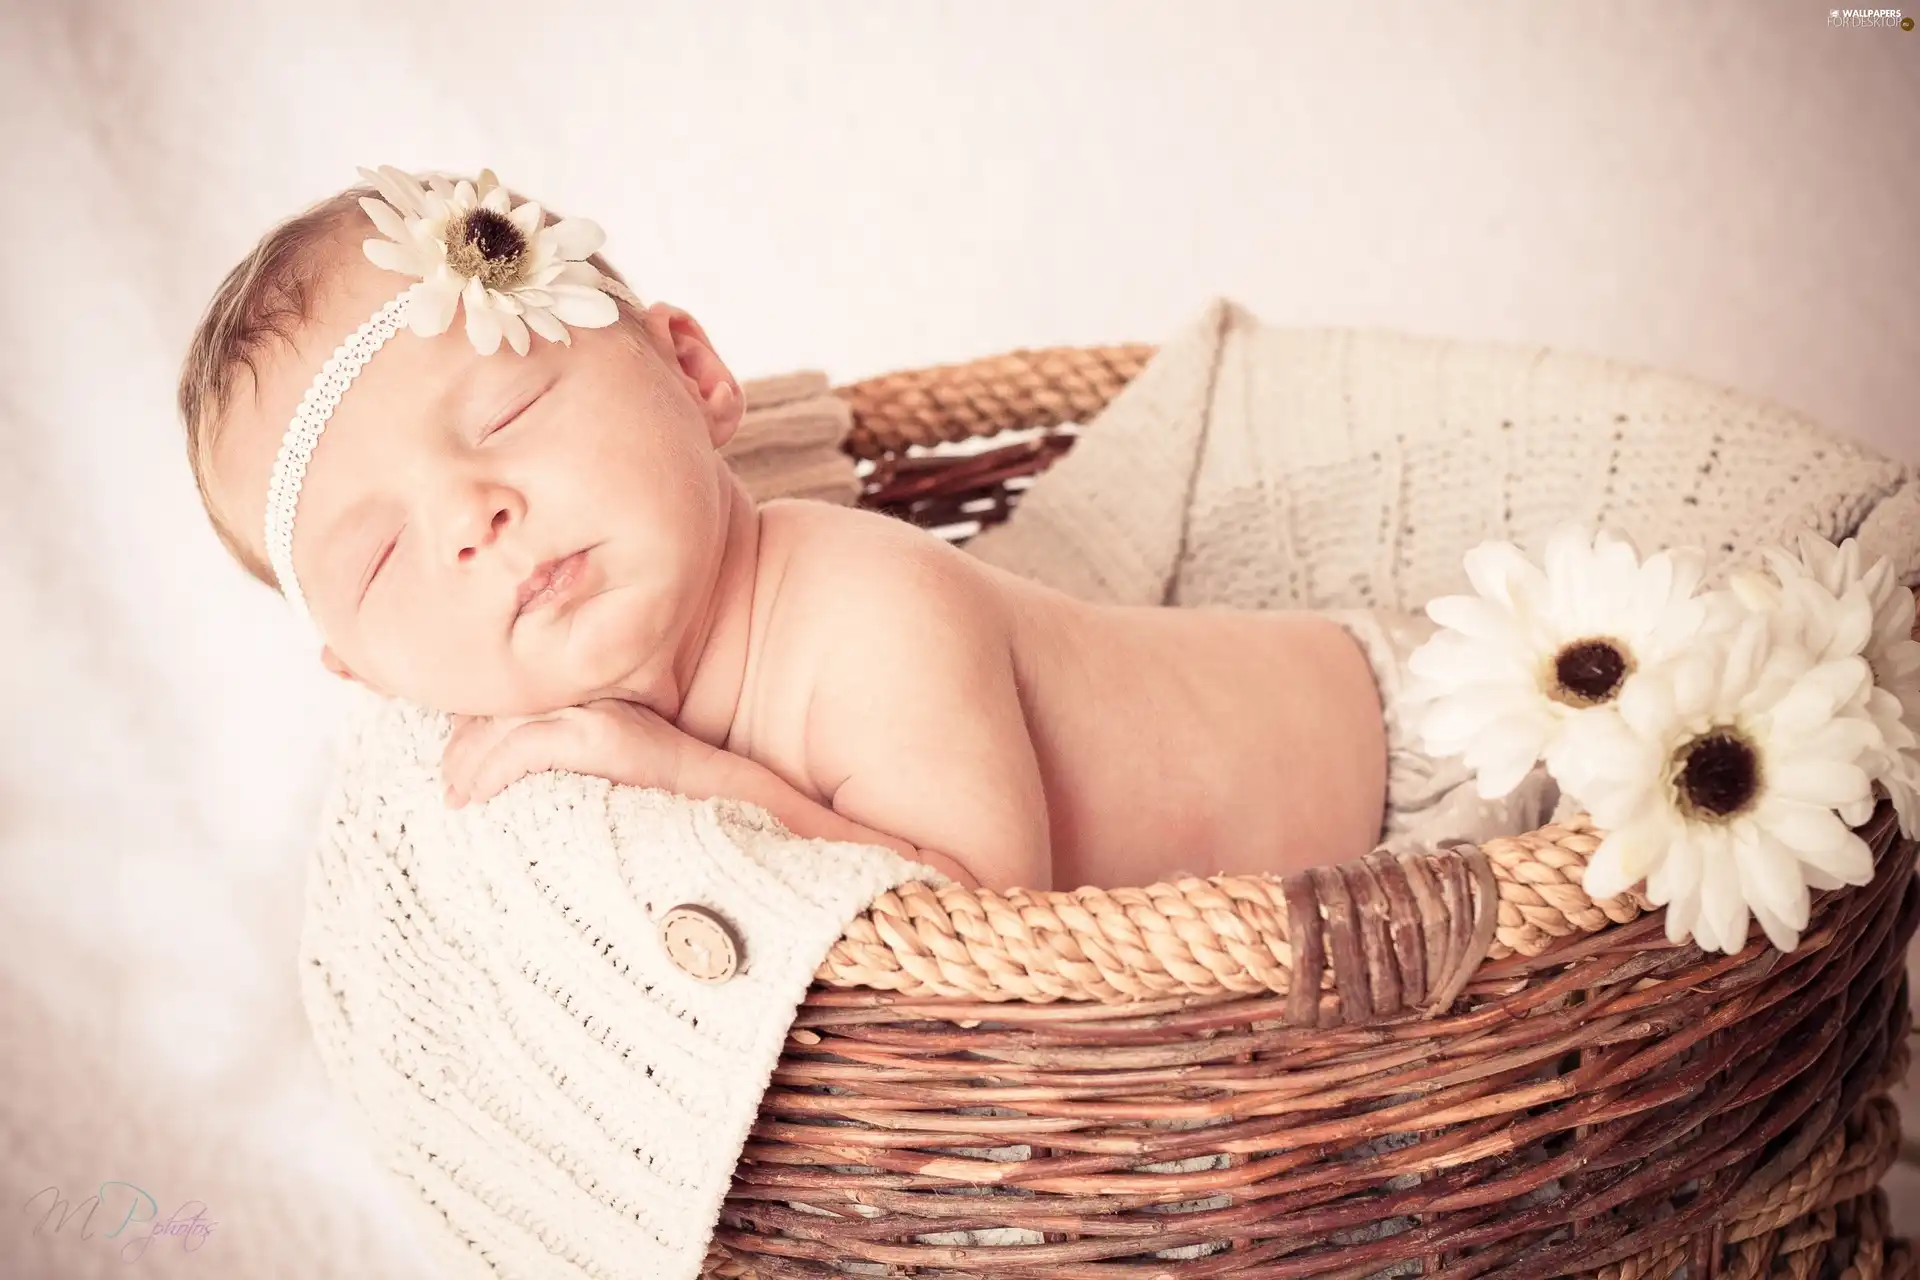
(444, 475)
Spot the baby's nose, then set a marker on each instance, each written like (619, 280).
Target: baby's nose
(501, 516)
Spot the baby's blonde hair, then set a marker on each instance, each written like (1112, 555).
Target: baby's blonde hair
(263, 300)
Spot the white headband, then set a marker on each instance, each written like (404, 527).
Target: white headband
(474, 250)
(309, 420)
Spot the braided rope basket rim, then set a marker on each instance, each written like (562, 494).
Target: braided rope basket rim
(1571, 1094)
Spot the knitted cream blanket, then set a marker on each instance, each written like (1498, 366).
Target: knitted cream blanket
(1262, 467)
(488, 986)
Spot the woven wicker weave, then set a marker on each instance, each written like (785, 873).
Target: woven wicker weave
(1455, 1064)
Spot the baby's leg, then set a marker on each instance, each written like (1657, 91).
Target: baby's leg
(1430, 800)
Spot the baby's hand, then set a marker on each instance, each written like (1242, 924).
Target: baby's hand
(608, 738)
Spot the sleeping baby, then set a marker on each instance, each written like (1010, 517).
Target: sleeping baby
(519, 517)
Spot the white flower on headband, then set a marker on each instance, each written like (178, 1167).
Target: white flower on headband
(468, 243)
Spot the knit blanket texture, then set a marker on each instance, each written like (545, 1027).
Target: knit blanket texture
(1266, 467)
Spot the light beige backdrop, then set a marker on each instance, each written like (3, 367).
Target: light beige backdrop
(1725, 188)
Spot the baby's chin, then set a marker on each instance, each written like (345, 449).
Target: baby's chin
(609, 645)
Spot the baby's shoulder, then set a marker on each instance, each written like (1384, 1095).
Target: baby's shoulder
(835, 555)
(856, 588)
(808, 527)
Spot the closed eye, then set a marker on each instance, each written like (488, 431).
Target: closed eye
(513, 414)
(504, 423)
(379, 564)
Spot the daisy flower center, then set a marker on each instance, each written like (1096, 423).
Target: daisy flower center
(485, 244)
(1717, 775)
(1589, 672)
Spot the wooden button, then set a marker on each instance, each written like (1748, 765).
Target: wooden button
(700, 943)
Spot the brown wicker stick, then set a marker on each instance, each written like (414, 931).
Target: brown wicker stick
(1846, 1168)
(1799, 1250)
(1041, 388)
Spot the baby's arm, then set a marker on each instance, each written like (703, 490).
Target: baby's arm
(915, 732)
(722, 773)
(915, 726)
(912, 734)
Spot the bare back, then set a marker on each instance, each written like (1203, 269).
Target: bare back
(1167, 740)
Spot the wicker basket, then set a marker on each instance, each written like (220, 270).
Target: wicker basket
(1454, 1064)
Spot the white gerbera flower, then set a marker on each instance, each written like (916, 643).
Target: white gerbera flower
(1717, 779)
(1842, 611)
(468, 243)
(1513, 665)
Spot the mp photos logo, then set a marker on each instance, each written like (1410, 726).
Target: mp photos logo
(137, 1228)
(1869, 18)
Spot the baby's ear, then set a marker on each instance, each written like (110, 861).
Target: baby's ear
(705, 374)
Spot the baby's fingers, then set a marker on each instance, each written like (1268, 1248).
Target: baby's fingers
(532, 746)
(472, 740)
